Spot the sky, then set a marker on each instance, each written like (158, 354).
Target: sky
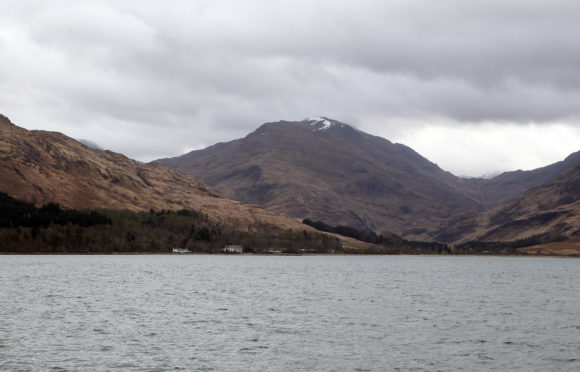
(477, 87)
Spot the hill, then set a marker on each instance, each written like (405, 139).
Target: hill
(545, 213)
(25, 229)
(326, 170)
(41, 167)
(510, 185)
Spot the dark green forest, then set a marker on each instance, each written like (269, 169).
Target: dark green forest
(384, 243)
(15, 213)
(25, 228)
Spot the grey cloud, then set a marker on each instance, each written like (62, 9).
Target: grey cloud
(209, 71)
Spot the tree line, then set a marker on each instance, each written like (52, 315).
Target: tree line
(25, 228)
(385, 243)
(511, 247)
(18, 213)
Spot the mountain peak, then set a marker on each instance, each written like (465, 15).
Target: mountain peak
(312, 124)
(321, 123)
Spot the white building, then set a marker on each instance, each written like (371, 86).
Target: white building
(233, 249)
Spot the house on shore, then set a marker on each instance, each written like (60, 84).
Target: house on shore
(181, 250)
(236, 249)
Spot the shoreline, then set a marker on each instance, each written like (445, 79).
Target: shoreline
(284, 254)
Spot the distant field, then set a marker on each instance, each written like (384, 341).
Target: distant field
(556, 249)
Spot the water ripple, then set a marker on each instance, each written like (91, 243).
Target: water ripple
(206, 313)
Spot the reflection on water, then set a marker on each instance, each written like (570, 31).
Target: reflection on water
(288, 313)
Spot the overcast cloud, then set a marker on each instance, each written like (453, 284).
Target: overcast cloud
(475, 86)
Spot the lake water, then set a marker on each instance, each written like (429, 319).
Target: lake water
(321, 313)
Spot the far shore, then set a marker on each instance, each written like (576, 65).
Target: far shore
(338, 254)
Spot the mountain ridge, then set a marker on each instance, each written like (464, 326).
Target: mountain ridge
(550, 211)
(509, 185)
(300, 169)
(322, 169)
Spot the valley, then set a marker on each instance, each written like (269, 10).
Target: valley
(363, 192)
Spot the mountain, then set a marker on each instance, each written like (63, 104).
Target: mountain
(41, 167)
(510, 185)
(550, 212)
(326, 170)
(319, 169)
(322, 169)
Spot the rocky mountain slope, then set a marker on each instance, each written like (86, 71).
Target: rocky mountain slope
(322, 169)
(510, 185)
(552, 208)
(41, 167)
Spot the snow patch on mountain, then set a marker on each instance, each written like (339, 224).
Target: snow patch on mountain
(322, 123)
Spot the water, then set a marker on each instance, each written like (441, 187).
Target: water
(347, 313)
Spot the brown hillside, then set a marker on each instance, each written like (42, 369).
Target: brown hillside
(41, 167)
(511, 185)
(326, 170)
(553, 208)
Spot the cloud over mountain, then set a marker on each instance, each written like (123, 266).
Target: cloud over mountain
(165, 78)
